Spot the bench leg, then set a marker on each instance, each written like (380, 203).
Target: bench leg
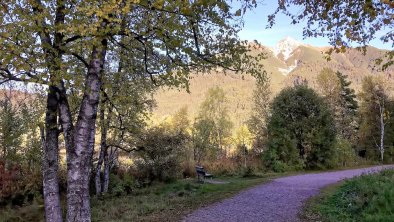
(200, 178)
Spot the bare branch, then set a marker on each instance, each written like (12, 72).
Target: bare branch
(80, 58)
(71, 39)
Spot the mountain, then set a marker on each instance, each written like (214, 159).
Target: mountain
(288, 61)
(285, 48)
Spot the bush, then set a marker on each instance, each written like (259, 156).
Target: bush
(248, 172)
(234, 166)
(18, 185)
(279, 167)
(188, 169)
(158, 158)
(222, 167)
(389, 155)
(9, 182)
(343, 154)
(365, 198)
(120, 184)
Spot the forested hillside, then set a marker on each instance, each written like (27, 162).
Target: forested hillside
(303, 62)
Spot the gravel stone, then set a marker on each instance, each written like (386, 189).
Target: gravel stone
(278, 200)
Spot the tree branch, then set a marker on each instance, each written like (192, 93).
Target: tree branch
(80, 58)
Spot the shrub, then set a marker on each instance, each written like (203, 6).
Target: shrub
(343, 154)
(18, 185)
(279, 167)
(9, 181)
(248, 172)
(221, 167)
(188, 169)
(365, 198)
(120, 184)
(158, 158)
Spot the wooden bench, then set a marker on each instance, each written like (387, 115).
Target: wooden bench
(202, 174)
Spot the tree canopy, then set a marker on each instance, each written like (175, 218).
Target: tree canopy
(70, 46)
(341, 99)
(301, 130)
(165, 40)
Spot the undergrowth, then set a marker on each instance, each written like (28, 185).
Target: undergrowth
(365, 198)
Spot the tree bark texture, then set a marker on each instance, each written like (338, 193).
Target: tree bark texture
(53, 57)
(103, 155)
(108, 158)
(80, 156)
(50, 160)
(382, 126)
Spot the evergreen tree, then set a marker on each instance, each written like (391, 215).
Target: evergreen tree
(340, 98)
(11, 130)
(389, 132)
(346, 122)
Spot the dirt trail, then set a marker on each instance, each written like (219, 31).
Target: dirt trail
(279, 200)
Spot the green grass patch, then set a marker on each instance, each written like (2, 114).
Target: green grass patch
(365, 198)
(159, 202)
(168, 202)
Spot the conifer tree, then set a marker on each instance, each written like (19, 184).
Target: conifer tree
(347, 111)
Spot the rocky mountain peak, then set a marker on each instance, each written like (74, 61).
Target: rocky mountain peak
(285, 47)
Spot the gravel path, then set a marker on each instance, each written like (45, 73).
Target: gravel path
(278, 200)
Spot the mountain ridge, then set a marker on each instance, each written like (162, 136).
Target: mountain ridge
(290, 61)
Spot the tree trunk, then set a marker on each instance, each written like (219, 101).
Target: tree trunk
(244, 148)
(79, 162)
(107, 168)
(53, 57)
(382, 125)
(103, 156)
(66, 120)
(102, 151)
(91, 146)
(97, 179)
(50, 160)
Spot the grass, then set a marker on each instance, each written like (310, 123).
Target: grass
(168, 202)
(159, 202)
(364, 198)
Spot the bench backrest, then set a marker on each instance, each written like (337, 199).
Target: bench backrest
(200, 170)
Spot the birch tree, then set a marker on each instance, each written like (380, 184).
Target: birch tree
(380, 99)
(214, 109)
(64, 44)
(374, 111)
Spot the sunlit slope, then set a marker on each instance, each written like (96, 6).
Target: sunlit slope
(305, 62)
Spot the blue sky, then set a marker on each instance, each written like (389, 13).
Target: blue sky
(256, 21)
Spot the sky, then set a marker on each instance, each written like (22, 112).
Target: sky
(256, 21)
